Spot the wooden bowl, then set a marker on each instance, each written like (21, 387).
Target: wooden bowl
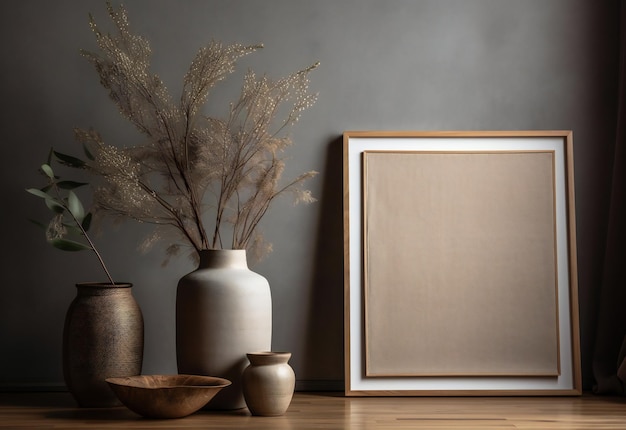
(166, 396)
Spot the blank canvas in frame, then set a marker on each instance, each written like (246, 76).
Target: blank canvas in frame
(458, 246)
(465, 276)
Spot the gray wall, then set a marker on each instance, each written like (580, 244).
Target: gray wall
(392, 65)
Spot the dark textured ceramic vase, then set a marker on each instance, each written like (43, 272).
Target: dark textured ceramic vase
(102, 338)
(223, 311)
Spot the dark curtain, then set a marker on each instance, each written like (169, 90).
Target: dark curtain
(609, 363)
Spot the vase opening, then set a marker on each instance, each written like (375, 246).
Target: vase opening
(268, 357)
(104, 285)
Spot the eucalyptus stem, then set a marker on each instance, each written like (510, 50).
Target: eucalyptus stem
(93, 247)
(86, 236)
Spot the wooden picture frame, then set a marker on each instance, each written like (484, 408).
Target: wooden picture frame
(460, 264)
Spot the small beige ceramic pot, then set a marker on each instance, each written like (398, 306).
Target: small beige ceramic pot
(268, 383)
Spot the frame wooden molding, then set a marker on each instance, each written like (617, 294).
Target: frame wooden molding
(402, 329)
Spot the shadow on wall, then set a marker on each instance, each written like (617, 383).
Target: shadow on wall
(324, 337)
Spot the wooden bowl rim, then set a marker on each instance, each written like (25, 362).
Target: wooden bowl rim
(130, 381)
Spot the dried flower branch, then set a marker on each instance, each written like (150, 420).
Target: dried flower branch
(211, 179)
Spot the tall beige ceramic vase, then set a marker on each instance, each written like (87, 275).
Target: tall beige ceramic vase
(102, 338)
(223, 311)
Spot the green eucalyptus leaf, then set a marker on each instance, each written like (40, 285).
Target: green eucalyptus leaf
(49, 162)
(70, 185)
(52, 203)
(39, 193)
(69, 160)
(87, 221)
(69, 245)
(47, 170)
(55, 206)
(75, 206)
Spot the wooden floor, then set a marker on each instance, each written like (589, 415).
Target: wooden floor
(334, 411)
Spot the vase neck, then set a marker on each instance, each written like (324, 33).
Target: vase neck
(223, 258)
(267, 358)
(102, 288)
